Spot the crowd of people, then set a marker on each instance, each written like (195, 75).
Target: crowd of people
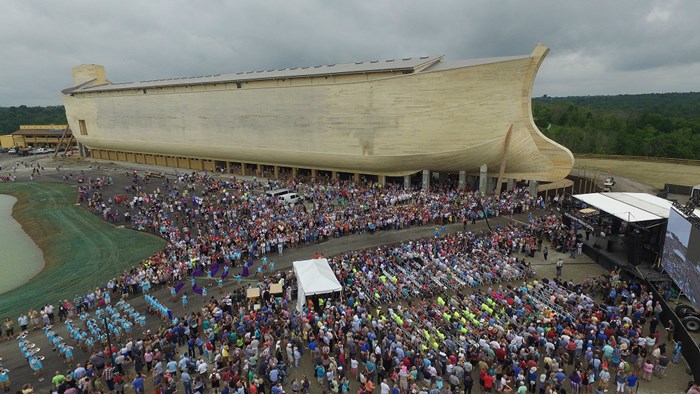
(437, 315)
(546, 336)
(209, 221)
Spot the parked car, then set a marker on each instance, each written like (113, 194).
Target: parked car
(290, 198)
(273, 194)
(12, 151)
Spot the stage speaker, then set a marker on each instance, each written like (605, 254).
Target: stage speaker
(615, 227)
(634, 248)
(566, 221)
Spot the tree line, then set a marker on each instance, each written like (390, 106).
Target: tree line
(12, 117)
(663, 124)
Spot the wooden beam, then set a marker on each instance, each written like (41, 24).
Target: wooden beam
(70, 141)
(60, 142)
(504, 159)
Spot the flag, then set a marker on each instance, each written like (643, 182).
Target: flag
(214, 269)
(197, 272)
(179, 287)
(225, 274)
(196, 289)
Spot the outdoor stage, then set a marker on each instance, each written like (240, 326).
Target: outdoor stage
(611, 252)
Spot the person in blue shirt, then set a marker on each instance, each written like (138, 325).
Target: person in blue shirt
(371, 368)
(560, 376)
(631, 382)
(138, 384)
(277, 389)
(320, 374)
(4, 379)
(68, 352)
(186, 382)
(37, 367)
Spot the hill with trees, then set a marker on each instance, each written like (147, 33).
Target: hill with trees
(662, 124)
(12, 117)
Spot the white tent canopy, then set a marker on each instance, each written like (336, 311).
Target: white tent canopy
(630, 207)
(314, 276)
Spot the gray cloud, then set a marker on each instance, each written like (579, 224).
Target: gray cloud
(597, 47)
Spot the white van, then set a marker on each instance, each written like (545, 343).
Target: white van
(273, 194)
(289, 198)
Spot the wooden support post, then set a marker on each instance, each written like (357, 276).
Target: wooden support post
(60, 142)
(504, 159)
(334, 175)
(294, 172)
(313, 173)
(277, 172)
(242, 169)
(356, 177)
(68, 144)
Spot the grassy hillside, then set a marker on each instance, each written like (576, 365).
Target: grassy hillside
(81, 251)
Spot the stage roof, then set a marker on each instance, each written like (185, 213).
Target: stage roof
(630, 207)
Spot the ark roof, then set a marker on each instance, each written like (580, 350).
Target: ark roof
(427, 63)
(406, 64)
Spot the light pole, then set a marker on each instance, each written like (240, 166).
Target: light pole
(109, 340)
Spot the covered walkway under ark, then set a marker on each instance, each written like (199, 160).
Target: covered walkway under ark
(481, 181)
(558, 188)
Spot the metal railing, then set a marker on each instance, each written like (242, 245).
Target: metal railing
(670, 160)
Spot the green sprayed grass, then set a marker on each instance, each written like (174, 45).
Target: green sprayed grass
(81, 251)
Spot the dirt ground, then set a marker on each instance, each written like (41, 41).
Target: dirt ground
(646, 173)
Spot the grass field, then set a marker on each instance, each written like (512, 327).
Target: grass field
(81, 251)
(647, 172)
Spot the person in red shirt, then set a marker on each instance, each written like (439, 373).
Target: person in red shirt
(488, 382)
(500, 354)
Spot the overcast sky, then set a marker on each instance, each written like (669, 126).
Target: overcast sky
(597, 47)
